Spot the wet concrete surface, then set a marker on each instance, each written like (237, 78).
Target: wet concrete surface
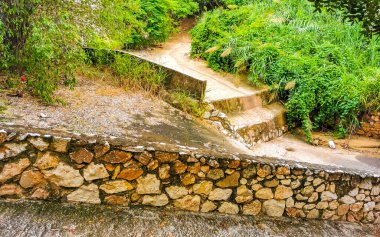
(291, 147)
(98, 107)
(19, 219)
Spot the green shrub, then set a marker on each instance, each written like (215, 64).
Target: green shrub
(326, 70)
(44, 39)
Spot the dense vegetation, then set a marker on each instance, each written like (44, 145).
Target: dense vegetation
(43, 40)
(325, 69)
(365, 11)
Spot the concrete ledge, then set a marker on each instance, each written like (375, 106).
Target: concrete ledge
(178, 80)
(79, 169)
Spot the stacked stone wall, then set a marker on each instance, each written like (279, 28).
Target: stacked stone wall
(370, 125)
(74, 169)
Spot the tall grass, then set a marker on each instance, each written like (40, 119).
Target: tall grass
(333, 69)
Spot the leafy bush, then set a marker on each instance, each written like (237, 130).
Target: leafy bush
(44, 39)
(324, 68)
(365, 11)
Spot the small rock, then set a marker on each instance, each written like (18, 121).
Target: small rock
(253, 208)
(356, 206)
(144, 157)
(375, 190)
(271, 183)
(85, 194)
(116, 157)
(366, 184)
(229, 208)
(39, 143)
(46, 160)
(283, 192)
(283, 170)
(179, 167)
(131, 173)
(328, 196)
(295, 184)
(219, 194)
(82, 156)
(101, 149)
(188, 179)
(264, 193)
(332, 145)
(313, 214)
(148, 185)
(65, 176)
(166, 157)
(94, 172)
(116, 186)
(264, 171)
(322, 205)
(31, 178)
(60, 144)
(203, 187)
(164, 171)
(13, 149)
(116, 200)
(176, 192)
(343, 209)
(230, 181)
(189, 203)
(40, 194)
(307, 191)
(369, 206)
(274, 208)
(347, 199)
(156, 200)
(215, 174)
(208, 206)
(243, 194)
(314, 197)
(10, 190)
(10, 170)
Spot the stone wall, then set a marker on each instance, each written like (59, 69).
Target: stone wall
(101, 170)
(370, 125)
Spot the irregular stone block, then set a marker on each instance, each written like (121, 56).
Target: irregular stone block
(189, 203)
(65, 176)
(94, 172)
(253, 208)
(116, 157)
(116, 186)
(274, 207)
(283, 192)
(203, 187)
(264, 193)
(131, 173)
(31, 178)
(230, 181)
(208, 206)
(229, 208)
(148, 185)
(82, 156)
(219, 194)
(10, 170)
(85, 194)
(46, 160)
(156, 200)
(39, 143)
(166, 157)
(176, 192)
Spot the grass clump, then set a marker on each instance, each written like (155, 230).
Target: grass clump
(325, 69)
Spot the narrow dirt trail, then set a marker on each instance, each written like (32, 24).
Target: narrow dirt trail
(175, 54)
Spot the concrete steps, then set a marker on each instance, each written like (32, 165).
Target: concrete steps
(241, 109)
(259, 124)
